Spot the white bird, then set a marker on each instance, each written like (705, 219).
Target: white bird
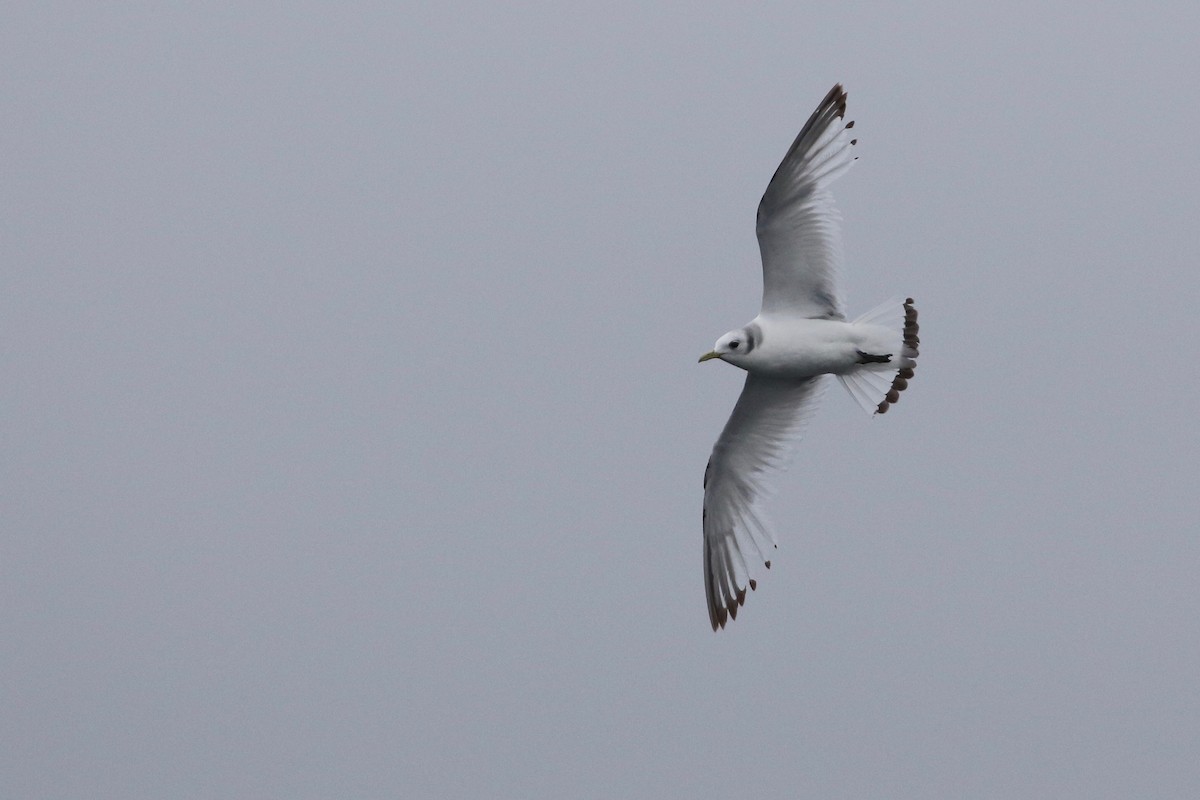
(799, 336)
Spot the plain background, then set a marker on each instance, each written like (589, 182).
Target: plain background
(351, 430)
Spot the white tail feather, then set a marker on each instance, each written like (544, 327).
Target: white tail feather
(876, 386)
(868, 387)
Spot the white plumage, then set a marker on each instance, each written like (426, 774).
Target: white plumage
(799, 336)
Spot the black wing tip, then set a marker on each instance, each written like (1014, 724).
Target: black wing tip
(836, 97)
(720, 615)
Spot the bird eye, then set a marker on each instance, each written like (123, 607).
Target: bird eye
(734, 344)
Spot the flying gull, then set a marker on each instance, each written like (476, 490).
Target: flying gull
(800, 335)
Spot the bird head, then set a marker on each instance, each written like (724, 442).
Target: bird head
(730, 346)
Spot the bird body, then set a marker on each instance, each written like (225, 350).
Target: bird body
(800, 335)
(798, 347)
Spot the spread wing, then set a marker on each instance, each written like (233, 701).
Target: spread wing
(798, 232)
(758, 439)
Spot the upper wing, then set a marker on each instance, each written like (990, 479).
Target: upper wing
(797, 223)
(758, 438)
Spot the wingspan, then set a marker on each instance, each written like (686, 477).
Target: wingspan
(758, 439)
(798, 233)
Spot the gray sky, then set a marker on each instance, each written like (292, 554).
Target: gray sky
(352, 428)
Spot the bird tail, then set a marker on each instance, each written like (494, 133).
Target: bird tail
(876, 385)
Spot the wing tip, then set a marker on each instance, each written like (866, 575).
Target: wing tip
(836, 98)
(720, 612)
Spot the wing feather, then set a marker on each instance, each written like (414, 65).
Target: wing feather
(798, 225)
(757, 440)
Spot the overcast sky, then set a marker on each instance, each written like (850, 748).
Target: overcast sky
(352, 432)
